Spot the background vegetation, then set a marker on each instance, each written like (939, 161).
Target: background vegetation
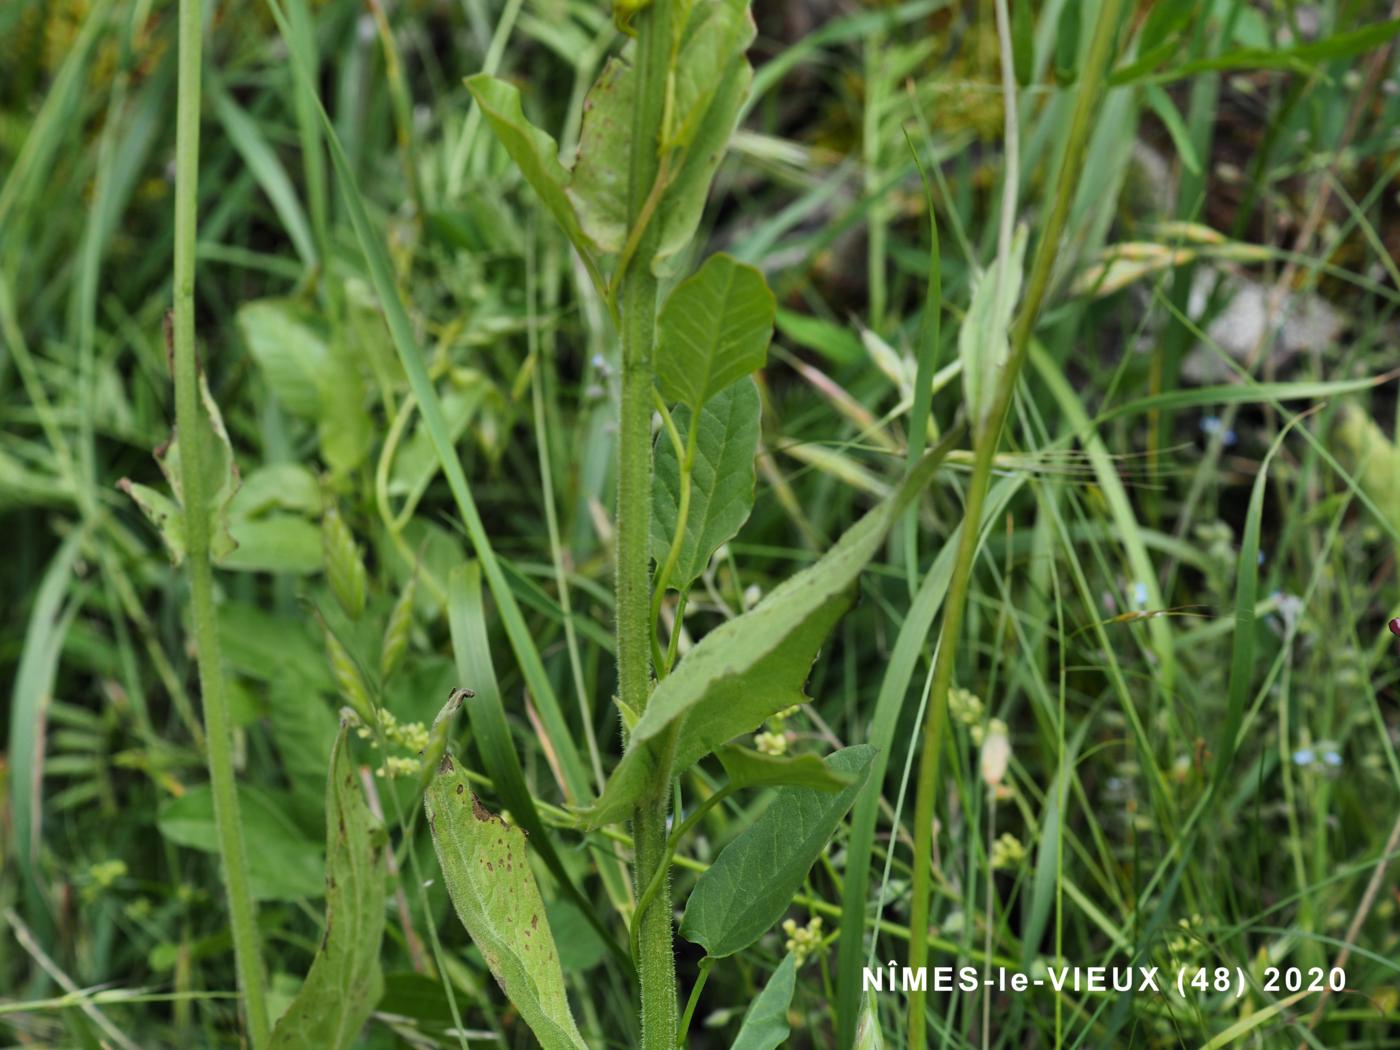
(1176, 622)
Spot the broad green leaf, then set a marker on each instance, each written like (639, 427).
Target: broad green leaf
(983, 344)
(289, 347)
(274, 543)
(765, 1025)
(535, 153)
(488, 877)
(713, 330)
(284, 866)
(716, 31)
(752, 881)
(344, 427)
(344, 983)
(749, 768)
(721, 481)
(598, 188)
(754, 665)
(277, 486)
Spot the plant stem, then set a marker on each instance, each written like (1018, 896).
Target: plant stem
(194, 481)
(656, 961)
(986, 440)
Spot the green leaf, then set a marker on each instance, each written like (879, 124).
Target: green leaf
(713, 330)
(344, 983)
(344, 428)
(283, 867)
(751, 883)
(754, 665)
(1162, 104)
(1067, 44)
(712, 82)
(1376, 460)
(289, 347)
(721, 481)
(488, 877)
(274, 543)
(868, 1033)
(983, 344)
(535, 153)
(684, 202)
(166, 514)
(714, 34)
(597, 190)
(749, 768)
(1023, 41)
(765, 1025)
(345, 567)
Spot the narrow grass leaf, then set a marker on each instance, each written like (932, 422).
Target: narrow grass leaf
(466, 617)
(344, 983)
(721, 482)
(751, 883)
(488, 877)
(713, 330)
(765, 1024)
(755, 664)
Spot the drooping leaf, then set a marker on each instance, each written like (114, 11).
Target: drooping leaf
(535, 153)
(344, 983)
(755, 664)
(751, 883)
(721, 481)
(495, 895)
(284, 866)
(983, 344)
(749, 768)
(713, 330)
(597, 190)
(765, 1025)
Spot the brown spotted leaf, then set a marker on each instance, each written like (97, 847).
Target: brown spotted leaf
(488, 877)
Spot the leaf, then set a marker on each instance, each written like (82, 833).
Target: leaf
(274, 543)
(1375, 459)
(868, 1033)
(721, 481)
(714, 34)
(755, 664)
(1023, 41)
(765, 1025)
(344, 427)
(494, 892)
(284, 866)
(597, 189)
(983, 344)
(752, 881)
(684, 202)
(220, 472)
(749, 768)
(535, 153)
(290, 349)
(713, 330)
(1162, 104)
(344, 983)
(1067, 35)
(712, 82)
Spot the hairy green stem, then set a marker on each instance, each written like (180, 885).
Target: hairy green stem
(194, 483)
(987, 437)
(656, 963)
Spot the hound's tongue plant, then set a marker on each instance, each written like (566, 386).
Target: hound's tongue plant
(668, 106)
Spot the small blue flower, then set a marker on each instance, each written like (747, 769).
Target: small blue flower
(1304, 757)
(1140, 595)
(1331, 758)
